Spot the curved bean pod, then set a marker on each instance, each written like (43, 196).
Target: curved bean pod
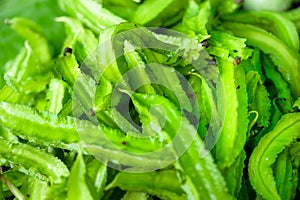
(35, 36)
(264, 155)
(77, 184)
(29, 124)
(258, 98)
(285, 99)
(91, 13)
(82, 41)
(278, 24)
(234, 133)
(295, 154)
(35, 188)
(46, 166)
(286, 59)
(62, 132)
(203, 179)
(157, 13)
(234, 174)
(56, 95)
(285, 176)
(97, 172)
(165, 184)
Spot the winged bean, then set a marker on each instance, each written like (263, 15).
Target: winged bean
(35, 36)
(165, 184)
(279, 25)
(50, 168)
(234, 132)
(264, 155)
(286, 59)
(285, 177)
(203, 179)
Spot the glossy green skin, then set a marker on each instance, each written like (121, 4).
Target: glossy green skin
(165, 184)
(200, 178)
(82, 41)
(68, 68)
(56, 95)
(35, 36)
(203, 179)
(286, 59)
(286, 177)
(274, 22)
(234, 133)
(7, 92)
(97, 173)
(205, 103)
(275, 5)
(25, 70)
(258, 98)
(63, 131)
(285, 99)
(49, 129)
(265, 153)
(77, 186)
(35, 188)
(91, 13)
(46, 166)
(157, 13)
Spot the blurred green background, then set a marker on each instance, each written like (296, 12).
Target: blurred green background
(41, 11)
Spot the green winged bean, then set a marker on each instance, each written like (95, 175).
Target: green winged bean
(28, 124)
(67, 66)
(285, 177)
(80, 36)
(34, 189)
(234, 132)
(283, 92)
(50, 129)
(165, 184)
(90, 13)
(97, 173)
(49, 168)
(203, 179)
(8, 92)
(203, 103)
(34, 34)
(264, 154)
(258, 98)
(279, 25)
(56, 95)
(134, 60)
(163, 12)
(234, 174)
(77, 183)
(286, 59)
(25, 70)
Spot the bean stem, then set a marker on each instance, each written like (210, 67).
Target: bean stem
(16, 192)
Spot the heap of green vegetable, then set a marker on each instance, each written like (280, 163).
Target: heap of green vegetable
(64, 132)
